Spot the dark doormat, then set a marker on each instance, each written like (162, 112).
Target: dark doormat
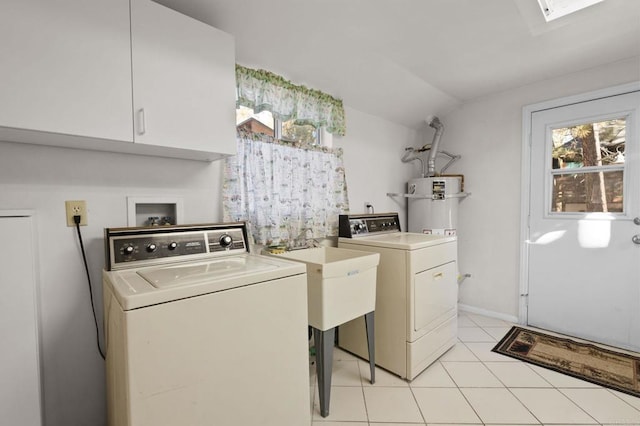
(605, 367)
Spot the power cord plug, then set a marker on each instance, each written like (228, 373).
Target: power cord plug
(76, 219)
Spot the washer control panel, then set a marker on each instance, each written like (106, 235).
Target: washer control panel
(129, 247)
(352, 226)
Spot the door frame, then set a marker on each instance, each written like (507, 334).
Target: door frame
(525, 180)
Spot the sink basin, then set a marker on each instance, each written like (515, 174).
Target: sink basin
(341, 284)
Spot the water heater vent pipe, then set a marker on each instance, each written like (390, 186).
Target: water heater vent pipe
(409, 155)
(434, 122)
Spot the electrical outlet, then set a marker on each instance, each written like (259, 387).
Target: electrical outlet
(76, 208)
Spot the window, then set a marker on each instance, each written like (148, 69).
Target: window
(287, 181)
(299, 114)
(290, 131)
(262, 122)
(554, 9)
(301, 132)
(587, 167)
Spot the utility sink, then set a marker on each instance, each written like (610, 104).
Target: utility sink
(341, 284)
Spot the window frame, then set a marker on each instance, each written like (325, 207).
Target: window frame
(278, 123)
(551, 173)
(323, 137)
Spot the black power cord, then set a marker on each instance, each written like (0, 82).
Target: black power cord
(76, 220)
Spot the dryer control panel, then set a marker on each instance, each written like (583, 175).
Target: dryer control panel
(142, 246)
(353, 226)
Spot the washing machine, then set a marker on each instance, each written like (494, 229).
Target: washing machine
(416, 293)
(199, 331)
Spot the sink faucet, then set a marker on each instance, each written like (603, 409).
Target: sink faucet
(301, 241)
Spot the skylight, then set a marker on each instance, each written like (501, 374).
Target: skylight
(554, 9)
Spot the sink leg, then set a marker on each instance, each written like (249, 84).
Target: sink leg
(324, 364)
(369, 323)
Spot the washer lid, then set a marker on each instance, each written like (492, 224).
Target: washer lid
(153, 285)
(400, 240)
(188, 274)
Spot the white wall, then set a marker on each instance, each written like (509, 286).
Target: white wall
(42, 178)
(373, 148)
(488, 134)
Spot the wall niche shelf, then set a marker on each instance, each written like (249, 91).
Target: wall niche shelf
(154, 211)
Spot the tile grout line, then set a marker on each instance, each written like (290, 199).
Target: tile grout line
(424, 419)
(622, 399)
(509, 389)
(558, 390)
(504, 386)
(364, 397)
(460, 390)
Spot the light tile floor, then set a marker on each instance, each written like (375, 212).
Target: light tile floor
(469, 385)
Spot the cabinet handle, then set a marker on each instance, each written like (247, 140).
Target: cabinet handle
(141, 123)
(438, 276)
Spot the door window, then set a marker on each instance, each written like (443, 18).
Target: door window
(587, 167)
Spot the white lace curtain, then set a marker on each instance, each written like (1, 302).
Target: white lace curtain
(286, 193)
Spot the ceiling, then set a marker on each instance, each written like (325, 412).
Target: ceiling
(404, 60)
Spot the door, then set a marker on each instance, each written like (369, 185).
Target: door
(435, 298)
(20, 389)
(183, 81)
(584, 215)
(66, 67)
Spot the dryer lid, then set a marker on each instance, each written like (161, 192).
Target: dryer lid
(400, 240)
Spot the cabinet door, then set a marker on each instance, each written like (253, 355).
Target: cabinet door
(183, 81)
(66, 67)
(435, 297)
(19, 362)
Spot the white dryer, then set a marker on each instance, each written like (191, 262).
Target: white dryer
(416, 293)
(200, 332)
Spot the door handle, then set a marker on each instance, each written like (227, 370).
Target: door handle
(636, 220)
(636, 239)
(141, 122)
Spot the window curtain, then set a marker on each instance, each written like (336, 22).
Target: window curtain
(286, 193)
(263, 90)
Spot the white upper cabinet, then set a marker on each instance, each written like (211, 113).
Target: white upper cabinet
(66, 67)
(183, 81)
(117, 75)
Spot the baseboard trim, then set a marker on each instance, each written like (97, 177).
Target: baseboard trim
(474, 310)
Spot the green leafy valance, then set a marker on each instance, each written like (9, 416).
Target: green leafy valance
(265, 91)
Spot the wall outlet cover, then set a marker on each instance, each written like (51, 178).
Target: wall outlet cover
(76, 208)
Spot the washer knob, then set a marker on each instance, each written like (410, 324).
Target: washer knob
(172, 245)
(151, 247)
(127, 250)
(226, 240)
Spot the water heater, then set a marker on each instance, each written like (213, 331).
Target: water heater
(433, 205)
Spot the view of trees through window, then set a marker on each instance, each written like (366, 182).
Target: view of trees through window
(588, 167)
(299, 132)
